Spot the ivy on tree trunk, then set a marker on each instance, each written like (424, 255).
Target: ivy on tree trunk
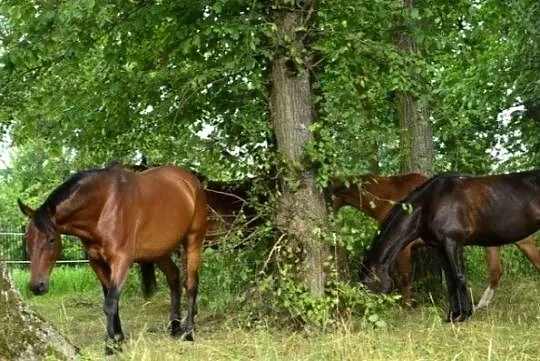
(302, 208)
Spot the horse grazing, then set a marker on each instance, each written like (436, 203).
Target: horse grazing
(450, 211)
(123, 217)
(375, 196)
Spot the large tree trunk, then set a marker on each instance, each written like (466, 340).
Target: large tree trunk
(302, 208)
(417, 154)
(25, 336)
(416, 136)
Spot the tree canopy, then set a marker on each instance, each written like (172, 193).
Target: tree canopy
(187, 83)
(109, 80)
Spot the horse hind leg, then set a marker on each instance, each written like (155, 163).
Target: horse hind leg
(527, 246)
(192, 261)
(172, 273)
(494, 274)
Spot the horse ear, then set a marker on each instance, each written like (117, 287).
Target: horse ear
(27, 211)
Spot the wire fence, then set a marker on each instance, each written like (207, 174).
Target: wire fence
(13, 249)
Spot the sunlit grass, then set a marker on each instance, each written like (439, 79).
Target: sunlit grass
(508, 330)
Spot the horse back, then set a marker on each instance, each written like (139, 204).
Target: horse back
(167, 203)
(486, 211)
(173, 192)
(383, 192)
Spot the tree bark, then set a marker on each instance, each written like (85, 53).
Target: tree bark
(417, 151)
(25, 335)
(302, 209)
(416, 136)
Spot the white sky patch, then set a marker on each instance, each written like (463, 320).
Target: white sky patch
(499, 151)
(5, 152)
(149, 109)
(206, 131)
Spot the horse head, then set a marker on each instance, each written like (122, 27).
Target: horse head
(43, 247)
(377, 278)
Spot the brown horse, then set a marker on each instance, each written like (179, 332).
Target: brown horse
(375, 196)
(229, 209)
(448, 212)
(123, 217)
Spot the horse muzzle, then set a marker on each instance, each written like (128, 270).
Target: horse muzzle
(39, 287)
(378, 285)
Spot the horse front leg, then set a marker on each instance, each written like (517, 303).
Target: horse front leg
(172, 273)
(404, 274)
(454, 255)
(115, 335)
(453, 302)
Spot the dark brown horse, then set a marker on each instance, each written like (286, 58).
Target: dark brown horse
(448, 212)
(375, 196)
(123, 217)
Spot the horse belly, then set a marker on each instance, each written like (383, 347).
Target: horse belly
(148, 251)
(488, 226)
(501, 233)
(159, 236)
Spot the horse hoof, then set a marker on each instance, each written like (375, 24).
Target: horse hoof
(457, 317)
(176, 329)
(181, 333)
(113, 345)
(187, 336)
(410, 304)
(112, 349)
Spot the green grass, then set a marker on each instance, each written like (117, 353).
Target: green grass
(66, 280)
(508, 330)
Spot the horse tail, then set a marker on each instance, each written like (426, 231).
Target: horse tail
(148, 279)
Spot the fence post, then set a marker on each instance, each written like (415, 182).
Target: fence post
(23, 240)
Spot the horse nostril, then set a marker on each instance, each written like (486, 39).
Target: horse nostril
(38, 288)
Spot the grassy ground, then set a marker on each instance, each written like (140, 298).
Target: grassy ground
(508, 330)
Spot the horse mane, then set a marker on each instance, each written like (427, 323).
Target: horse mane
(43, 214)
(397, 212)
(414, 195)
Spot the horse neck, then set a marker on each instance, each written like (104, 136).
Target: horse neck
(371, 195)
(350, 195)
(378, 198)
(398, 230)
(78, 214)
